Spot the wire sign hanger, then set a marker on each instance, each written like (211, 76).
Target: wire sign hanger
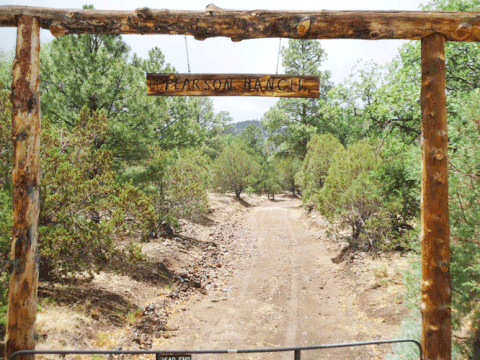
(232, 84)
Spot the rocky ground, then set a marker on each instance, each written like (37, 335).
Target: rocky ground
(251, 274)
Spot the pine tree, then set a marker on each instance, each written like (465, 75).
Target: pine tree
(292, 122)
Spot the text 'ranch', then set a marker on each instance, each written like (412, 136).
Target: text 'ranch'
(232, 85)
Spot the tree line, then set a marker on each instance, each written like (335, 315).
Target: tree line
(120, 167)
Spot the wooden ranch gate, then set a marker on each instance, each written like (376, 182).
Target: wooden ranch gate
(432, 28)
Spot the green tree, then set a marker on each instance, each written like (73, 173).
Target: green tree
(373, 190)
(464, 191)
(6, 191)
(181, 185)
(6, 60)
(399, 179)
(288, 168)
(6, 149)
(380, 101)
(273, 179)
(187, 185)
(85, 70)
(320, 151)
(82, 210)
(145, 136)
(234, 169)
(464, 210)
(292, 122)
(350, 191)
(210, 126)
(253, 136)
(390, 95)
(463, 69)
(97, 71)
(269, 178)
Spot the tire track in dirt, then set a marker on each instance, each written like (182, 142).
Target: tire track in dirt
(291, 331)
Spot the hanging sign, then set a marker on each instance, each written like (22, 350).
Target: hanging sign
(233, 85)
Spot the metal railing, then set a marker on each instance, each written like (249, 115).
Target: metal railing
(159, 353)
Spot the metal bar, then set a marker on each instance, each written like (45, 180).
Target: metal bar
(226, 351)
(297, 355)
(22, 302)
(436, 291)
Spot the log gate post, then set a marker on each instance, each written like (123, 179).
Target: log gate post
(26, 147)
(436, 291)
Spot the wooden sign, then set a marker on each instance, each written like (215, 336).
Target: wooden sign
(233, 85)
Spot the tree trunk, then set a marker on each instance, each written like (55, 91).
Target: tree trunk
(237, 194)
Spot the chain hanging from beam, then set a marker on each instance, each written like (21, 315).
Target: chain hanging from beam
(188, 59)
(278, 56)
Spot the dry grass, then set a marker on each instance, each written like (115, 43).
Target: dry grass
(59, 319)
(103, 340)
(380, 271)
(59, 328)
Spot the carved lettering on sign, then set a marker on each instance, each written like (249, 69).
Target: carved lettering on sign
(232, 85)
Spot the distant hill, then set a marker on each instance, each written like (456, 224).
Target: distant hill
(240, 126)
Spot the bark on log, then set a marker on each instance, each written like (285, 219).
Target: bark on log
(233, 85)
(436, 291)
(251, 24)
(22, 304)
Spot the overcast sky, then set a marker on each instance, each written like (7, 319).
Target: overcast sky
(221, 55)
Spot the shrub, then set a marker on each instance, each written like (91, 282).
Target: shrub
(83, 211)
(288, 167)
(464, 192)
(373, 192)
(6, 210)
(234, 169)
(351, 192)
(185, 188)
(320, 151)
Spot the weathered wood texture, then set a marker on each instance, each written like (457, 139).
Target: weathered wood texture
(233, 85)
(436, 290)
(22, 303)
(241, 24)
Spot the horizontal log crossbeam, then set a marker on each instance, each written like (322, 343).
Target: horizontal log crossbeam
(253, 24)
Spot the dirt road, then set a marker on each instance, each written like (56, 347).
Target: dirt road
(279, 289)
